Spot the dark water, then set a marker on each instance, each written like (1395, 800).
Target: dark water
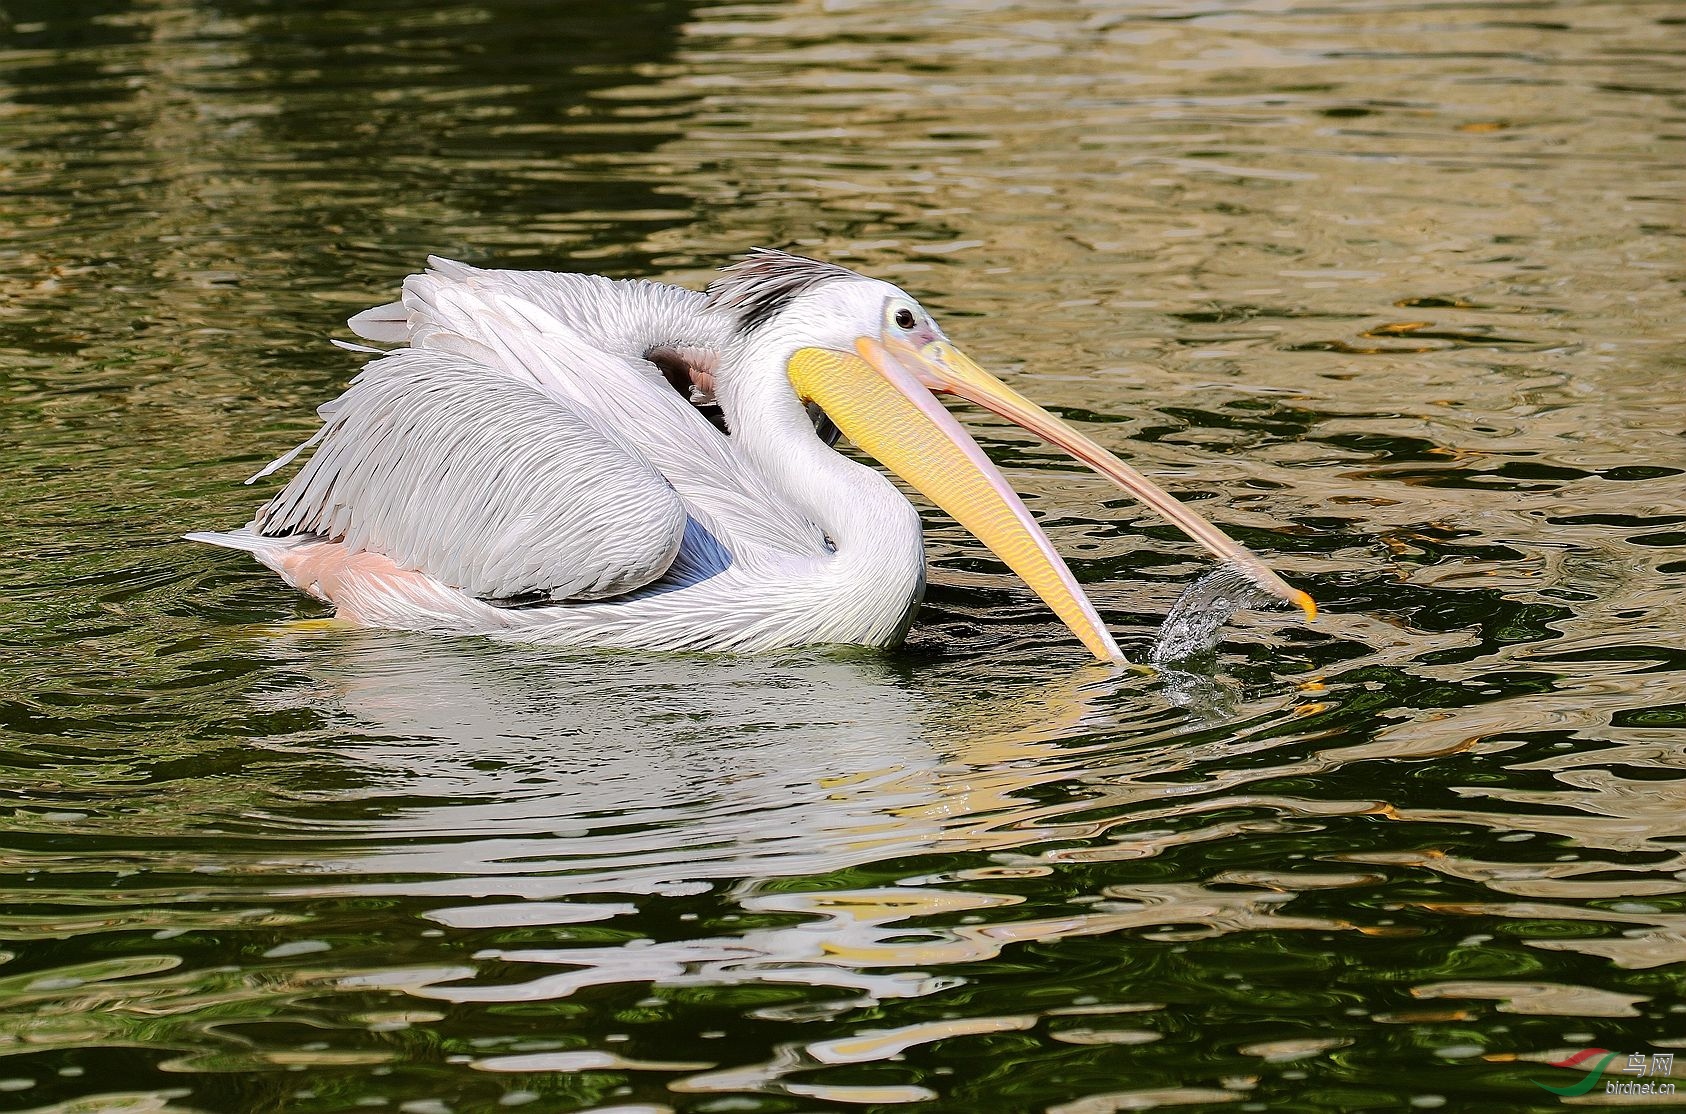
(1390, 290)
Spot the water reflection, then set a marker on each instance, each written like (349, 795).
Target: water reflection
(574, 775)
(559, 781)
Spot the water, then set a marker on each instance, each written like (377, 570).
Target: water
(1196, 621)
(1389, 290)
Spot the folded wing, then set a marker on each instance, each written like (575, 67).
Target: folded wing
(588, 341)
(481, 481)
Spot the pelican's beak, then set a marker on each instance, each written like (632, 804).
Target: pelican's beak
(940, 366)
(881, 398)
(881, 406)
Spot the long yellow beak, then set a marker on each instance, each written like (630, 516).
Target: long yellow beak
(880, 397)
(881, 406)
(942, 367)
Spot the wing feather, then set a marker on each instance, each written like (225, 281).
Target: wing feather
(483, 482)
(389, 324)
(583, 338)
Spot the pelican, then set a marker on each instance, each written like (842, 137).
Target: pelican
(576, 460)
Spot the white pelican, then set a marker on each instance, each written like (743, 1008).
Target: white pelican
(537, 463)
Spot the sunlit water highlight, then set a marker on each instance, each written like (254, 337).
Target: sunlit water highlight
(1388, 290)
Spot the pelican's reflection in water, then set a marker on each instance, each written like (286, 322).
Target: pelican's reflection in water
(538, 775)
(515, 773)
(513, 791)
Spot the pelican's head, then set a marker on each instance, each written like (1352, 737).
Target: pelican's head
(871, 357)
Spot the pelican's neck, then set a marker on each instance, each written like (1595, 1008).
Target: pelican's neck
(867, 519)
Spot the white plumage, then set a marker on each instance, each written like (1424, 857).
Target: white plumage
(481, 480)
(522, 446)
(535, 462)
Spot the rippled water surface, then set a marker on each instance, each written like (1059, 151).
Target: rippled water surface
(1390, 290)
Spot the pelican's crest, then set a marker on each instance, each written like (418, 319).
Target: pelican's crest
(759, 286)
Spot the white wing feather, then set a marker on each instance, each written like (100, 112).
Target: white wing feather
(483, 482)
(583, 338)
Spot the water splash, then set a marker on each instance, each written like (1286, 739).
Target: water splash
(1191, 629)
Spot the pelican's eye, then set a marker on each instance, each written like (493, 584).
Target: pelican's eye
(904, 318)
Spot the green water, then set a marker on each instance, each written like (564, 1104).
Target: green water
(1391, 290)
